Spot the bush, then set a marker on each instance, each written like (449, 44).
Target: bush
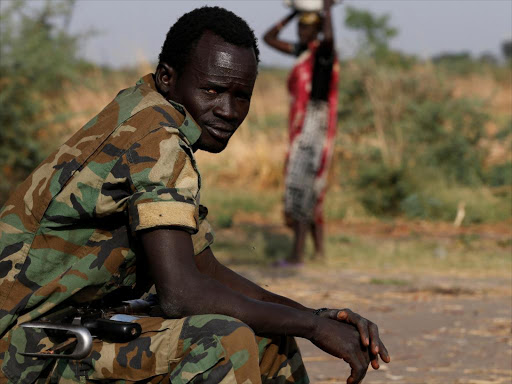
(402, 129)
(499, 175)
(38, 58)
(383, 189)
(419, 206)
(451, 130)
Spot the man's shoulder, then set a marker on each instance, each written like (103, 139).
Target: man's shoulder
(142, 97)
(134, 113)
(129, 102)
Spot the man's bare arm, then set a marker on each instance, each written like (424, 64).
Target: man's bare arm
(184, 291)
(208, 264)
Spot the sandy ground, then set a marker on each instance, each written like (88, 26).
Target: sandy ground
(438, 329)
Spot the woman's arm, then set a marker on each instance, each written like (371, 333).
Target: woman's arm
(271, 36)
(328, 35)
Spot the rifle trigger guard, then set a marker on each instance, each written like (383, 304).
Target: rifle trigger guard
(83, 337)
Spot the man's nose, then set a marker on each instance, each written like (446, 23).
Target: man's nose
(226, 108)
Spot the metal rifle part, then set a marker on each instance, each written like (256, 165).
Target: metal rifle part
(83, 340)
(111, 330)
(82, 324)
(131, 307)
(66, 313)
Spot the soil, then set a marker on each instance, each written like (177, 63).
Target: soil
(438, 328)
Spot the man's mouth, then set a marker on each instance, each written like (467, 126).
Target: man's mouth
(219, 132)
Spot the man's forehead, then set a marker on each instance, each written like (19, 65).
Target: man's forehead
(224, 58)
(213, 52)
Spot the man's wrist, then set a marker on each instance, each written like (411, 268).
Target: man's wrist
(311, 328)
(319, 311)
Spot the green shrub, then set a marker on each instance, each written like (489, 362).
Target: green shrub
(499, 175)
(224, 220)
(419, 206)
(409, 146)
(383, 189)
(38, 58)
(445, 135)
(402, 129)
(505, 132)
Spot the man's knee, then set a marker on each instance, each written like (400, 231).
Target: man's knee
(217, 347)
(223, 328)
(238, 336)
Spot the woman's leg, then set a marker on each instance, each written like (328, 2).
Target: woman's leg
(317, 231)
(300, 229)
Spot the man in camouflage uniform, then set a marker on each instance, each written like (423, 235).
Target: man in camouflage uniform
(116, 209)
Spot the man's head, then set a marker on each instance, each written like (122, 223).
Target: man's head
(209, 65)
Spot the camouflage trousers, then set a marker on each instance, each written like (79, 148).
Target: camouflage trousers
(197, 349)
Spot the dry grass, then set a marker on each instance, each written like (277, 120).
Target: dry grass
(251, 159)
(498, 94)
(255, 156)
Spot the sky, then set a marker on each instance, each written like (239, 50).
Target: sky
(132, 31)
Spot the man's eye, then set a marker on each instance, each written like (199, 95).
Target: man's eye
(244, 97)
(211, 91)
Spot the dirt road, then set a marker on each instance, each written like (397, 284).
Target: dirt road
(438, 329)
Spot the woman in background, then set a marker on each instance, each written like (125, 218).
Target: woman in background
(312, 124)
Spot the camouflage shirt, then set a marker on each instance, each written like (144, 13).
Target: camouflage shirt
(68, 232)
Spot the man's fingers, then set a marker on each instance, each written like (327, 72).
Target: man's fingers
(352, 377)
(342, 315)
(355, 377)
(374, 336)
(329, 314)
(362, 327)
(375, 362)
(347, 316)
(357, 373)
(384, 354)
(332, 314)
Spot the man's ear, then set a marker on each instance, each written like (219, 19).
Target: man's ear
(165, 80)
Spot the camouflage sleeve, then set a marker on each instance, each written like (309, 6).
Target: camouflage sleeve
(166, 183)
(204, 237)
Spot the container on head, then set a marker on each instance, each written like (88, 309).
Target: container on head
(307, 5)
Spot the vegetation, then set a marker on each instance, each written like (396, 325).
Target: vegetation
(375, 31)
(409, 139)
(38, 58)
(416, 140)
(405, 132)
(406, 255)
(506, 48)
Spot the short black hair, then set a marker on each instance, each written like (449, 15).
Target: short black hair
(184, 35)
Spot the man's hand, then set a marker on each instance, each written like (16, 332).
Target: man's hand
(368, 332)
(343, 341)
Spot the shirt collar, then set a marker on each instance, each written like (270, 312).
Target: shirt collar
(189, 128)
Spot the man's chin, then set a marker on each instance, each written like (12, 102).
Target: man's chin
(215, 147)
